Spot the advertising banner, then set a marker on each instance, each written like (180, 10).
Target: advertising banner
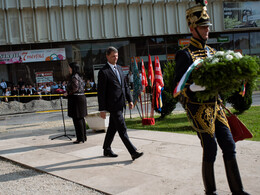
(125, 70)
(44, 77)
(25, 56)
(241, 14)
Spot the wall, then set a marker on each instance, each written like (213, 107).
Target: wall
(36, 21)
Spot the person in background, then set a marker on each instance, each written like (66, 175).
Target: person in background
(207, 118)
(7, 93)
(14, 92)
(48, 88)
(44, 89)
(54, 87)
(64, 86)
(3, 85)
(92, 83)
(77, 104)
(130, 77)
(20, 82)
(30, 90)
(88, 86)
(23, 92)
(112, 92)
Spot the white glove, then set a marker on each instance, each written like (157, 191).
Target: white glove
(194, 87)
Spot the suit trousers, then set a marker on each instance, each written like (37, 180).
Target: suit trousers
(80, 128)
(117, 123)
(225, 140)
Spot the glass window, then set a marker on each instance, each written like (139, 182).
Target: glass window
(226, 42)
(99, 56)
(156, 40)
(172, 48)
(139, 47)
(41, 46)
(241, 42)
(254, 43)
(157, 50)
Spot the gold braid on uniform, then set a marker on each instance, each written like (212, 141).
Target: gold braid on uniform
(201, 53)
(202, 116)
(221, 116)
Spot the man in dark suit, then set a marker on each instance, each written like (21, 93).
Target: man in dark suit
(112, 92)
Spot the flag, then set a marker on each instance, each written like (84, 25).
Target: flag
(150, 72)
(159, 84)
(137, 83)
(185, 77)
(144, 78)
(243, 89)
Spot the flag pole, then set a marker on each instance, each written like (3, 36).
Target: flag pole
(152, 105)
(147, 105)
(140, 96)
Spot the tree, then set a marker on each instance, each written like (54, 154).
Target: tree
(169, 102)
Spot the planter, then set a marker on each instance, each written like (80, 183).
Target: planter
(96, 123)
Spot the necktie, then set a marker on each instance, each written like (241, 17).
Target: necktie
(117, 74)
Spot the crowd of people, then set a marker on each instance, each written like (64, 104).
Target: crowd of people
(26, 89)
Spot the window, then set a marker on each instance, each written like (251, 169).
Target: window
(241, 42)
(254, 43)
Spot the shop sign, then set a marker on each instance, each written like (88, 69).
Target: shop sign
(241, 14)
(183, 42)
(223, 39)
(170, 56)
(44, 77)
(26, 56)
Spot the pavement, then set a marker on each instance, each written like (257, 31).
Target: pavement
(171, 163)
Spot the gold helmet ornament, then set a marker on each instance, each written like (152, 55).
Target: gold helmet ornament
(197, 16)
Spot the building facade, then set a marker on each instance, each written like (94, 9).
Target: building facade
(85, 28)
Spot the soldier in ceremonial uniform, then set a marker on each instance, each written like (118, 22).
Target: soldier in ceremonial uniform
(207, 118)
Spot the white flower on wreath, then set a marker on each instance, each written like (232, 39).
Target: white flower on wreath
(230, 52)
(238, 55)
(215, 60)
(229, 57)
(219, 53)
(210, 58)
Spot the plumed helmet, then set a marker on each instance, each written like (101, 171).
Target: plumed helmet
(197, 16)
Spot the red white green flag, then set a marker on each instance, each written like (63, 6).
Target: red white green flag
(180, 86)
(144, 78)
(158, 82)
(150, 72)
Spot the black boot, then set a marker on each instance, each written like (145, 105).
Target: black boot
(209, 178)
(233, 177)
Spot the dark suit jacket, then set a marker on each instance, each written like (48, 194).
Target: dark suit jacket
(112, 95)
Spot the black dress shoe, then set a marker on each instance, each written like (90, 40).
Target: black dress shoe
(78, 142)
(109, 153)
(137, 155)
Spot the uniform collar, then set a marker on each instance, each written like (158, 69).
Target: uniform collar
(197, 43)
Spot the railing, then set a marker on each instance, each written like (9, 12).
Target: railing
(40, 96)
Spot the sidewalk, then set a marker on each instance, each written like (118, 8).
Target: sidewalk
(171, 163)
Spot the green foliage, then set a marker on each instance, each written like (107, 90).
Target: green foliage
(168, 75)
(169, 103)
(231, 22)
(240, 103)
(177, 123)
(224, 74)
(251, 120)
